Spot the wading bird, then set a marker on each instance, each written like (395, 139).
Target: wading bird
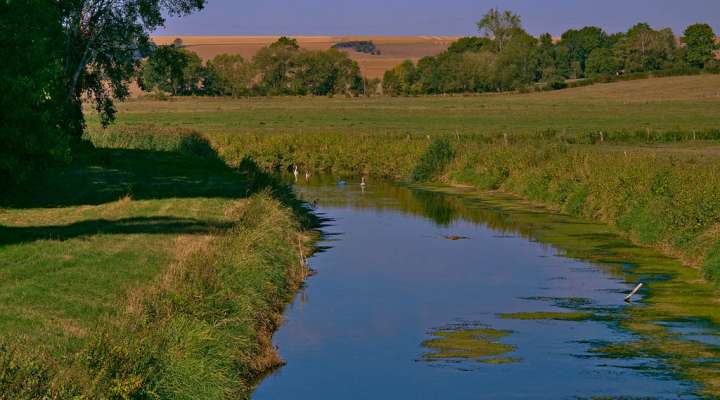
(295, 172)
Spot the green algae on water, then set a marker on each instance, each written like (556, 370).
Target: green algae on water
(477, 344)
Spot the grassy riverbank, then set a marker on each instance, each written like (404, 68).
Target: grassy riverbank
(145, 274)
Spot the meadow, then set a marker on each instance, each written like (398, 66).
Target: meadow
(659, 104)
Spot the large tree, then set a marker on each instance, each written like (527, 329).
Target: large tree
(326, 73)
(275, 64)
(30, 92)
(104, 42)
(229, 75)
(646, 49)
(172, 69)
(700, 44)
(579, 44)
(517, 64)
(500, 26)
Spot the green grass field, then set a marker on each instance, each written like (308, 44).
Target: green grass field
(677, 103)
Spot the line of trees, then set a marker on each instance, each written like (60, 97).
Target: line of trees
(59, 54)
(282, 68)
(508, 58)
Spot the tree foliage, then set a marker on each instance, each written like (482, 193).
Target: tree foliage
(282, 68)
(104, 42)
(699, 40)
(31, 100)
(172, 69)
(577, 46)
(228, 75)
(602, 62)
(59, 54)
(511, 59)
(646, 49)
(500, 26)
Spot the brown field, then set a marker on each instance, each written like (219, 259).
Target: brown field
(394, 49)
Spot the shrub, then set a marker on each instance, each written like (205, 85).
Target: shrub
(433, 162)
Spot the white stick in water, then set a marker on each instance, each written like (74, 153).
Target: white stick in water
(629, 297)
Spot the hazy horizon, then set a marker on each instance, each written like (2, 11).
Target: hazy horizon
(424, 17)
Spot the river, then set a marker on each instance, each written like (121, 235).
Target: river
(435, 293)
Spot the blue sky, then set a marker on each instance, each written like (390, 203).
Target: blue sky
(428, 17)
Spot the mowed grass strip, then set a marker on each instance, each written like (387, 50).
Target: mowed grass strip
(659, 104)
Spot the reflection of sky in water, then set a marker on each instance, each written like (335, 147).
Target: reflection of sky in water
(390, 278)
(695, 330)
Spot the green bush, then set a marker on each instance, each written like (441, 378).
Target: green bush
(433, 162)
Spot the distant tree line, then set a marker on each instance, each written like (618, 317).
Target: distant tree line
(58, 55)
(361, 46)
(508, 58)
(282, 68)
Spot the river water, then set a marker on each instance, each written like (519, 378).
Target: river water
(427, 295)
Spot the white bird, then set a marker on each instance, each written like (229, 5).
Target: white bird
(362, 183)
(296, 173)
(307, 175)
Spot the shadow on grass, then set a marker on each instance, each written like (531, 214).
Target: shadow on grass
(99, 176)
(138, 225)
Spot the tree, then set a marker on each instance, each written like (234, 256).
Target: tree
(478, 71)
(103, 39)
(471, 43)
(228, 75)
(428, 73)
(545, 56)
(645, 49)
(500, 26)
(602, 62)
(700, 44)
(275, 65)
(579, 44)
(31, 91)
(517, 63)
(172, 69)
(391, 83)
(326, 73)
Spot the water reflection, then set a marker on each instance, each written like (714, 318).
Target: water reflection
(530, 304)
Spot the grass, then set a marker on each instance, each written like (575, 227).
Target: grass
(662, 104)
(138, 273)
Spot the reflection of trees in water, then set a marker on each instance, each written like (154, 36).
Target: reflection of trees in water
(436, 206)
(440, 207)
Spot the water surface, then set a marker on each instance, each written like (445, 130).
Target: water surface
(523, 304)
